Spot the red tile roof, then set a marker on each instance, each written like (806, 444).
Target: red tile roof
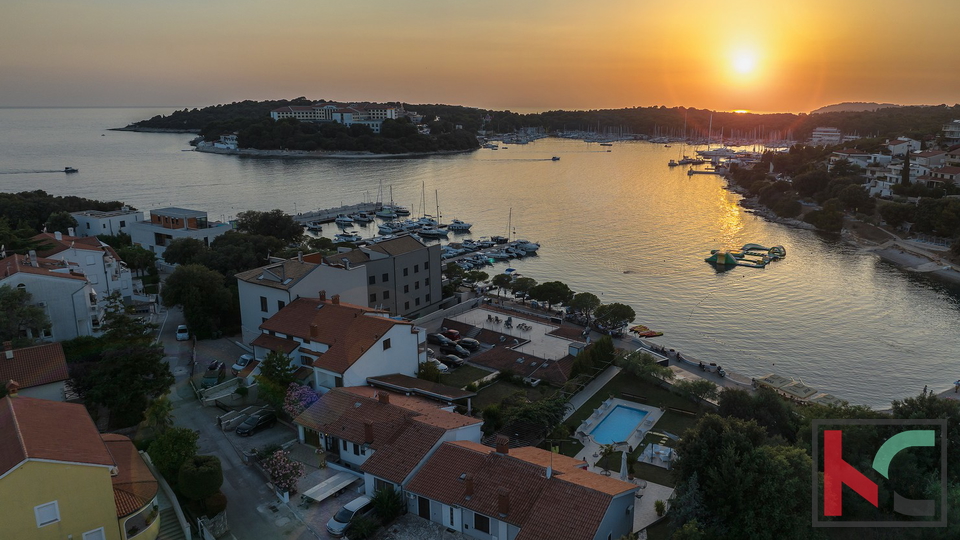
(33, 366)
(406, 383)
(134, 486)
(35, 428)
(274, 343)
(429, 411)
(565, 510)
(398, 456)
(45, 267)
(349, 331)
(89, 243)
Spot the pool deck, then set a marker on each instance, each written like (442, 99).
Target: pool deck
(536, 341)
(591, 449)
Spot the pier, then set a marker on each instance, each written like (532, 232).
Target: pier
(329, 214)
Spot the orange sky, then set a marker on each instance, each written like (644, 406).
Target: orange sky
(518, 55)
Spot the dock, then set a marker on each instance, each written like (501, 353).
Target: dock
(329, 214)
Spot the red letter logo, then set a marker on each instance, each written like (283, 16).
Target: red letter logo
(837, 472)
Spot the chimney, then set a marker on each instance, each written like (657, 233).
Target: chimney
(58, 235)
(468, 486)
(70, 231)
(300, 256)
(503, 502)
(323, 295)
(368, 432)
(503, 444)
(314, 331)
(383, 397)
(335, 299)
(8, 349)
(33, 259)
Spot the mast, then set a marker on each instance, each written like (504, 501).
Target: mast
(437, 195)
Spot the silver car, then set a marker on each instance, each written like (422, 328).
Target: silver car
(341, 520)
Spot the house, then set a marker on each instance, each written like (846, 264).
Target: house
(169, 224)
(111, 222)
(385, 435)
(902, 145)
(99, 262)
(519, 494)
(854, 156)
(227, 142)
(59, 478)
(39, 371)
(403, 275)
(371, 115)
(895, 171)
(951, 133)
(930, 159)
(952, 159)
(946, 175)
(826, 136)
(341, 344)
(58, 287)
(266, 290)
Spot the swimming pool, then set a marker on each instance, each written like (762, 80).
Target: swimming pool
(618, 425)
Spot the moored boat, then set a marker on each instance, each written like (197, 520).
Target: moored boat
(459, 226)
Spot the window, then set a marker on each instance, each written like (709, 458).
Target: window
(451, 516)
(386, 295)
(88, 225)
(426, 265)
(418, 300)
(416, 285)
(379, 484)
(104, 226)
(406, 305)
(47, 513)
(373, 297)
(344, 444)
(96, 534)
(406, 288)
(263, 303)
(385, 278)
(481, 523)
(426, 282)
(371, 280)
(428, 298)
(356, 449)
(406, 271)
(280, 304)
(123, 223)
(416, 269)
(386, 344)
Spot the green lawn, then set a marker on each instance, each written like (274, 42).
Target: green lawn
(662, 530)
(652, 473)
(463, 376)
(501, 390)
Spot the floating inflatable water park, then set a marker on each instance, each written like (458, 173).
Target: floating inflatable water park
(750, 255)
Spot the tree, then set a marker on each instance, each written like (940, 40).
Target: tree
(699, 389)
(200, 477)
(275, 223)
(501, 281)
(388, 504)
(643, 364)
(284, 472)
(905, 172)
(200, 291)
(585, 303)
(764, 406)
(120, 324)
(276, 376)
(125, 379)
(428, 371)
(523, 285)
(159, 414)
(234, 252)
(60, 222)
(477, 276)
(185, 251)
(607, 451)
(361, 528)
(138, 258)
(552, 292)
(116, 241)
(298, 399)
(20, 321)
(171, 449)
(615, 315)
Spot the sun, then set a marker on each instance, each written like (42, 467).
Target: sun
(744, 62)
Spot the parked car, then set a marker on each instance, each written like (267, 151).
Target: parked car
(453, 348)
(182, 333)
(440, 367)
(242, 362)
(469, 343)
(255, 422)
(452, 335)
(451, 360)
(438, 339)
(337, 525)
(214, 375)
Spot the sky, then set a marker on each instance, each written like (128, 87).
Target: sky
(522, 55)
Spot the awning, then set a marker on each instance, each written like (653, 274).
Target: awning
(826, 399)
(773, 380)
(798, 389)
(330, 486)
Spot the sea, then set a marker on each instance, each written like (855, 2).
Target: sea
(615, 221)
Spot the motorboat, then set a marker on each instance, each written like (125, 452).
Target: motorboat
(343, 219)
(516, 252)
(672, 163)
(386, 213)
(555, 158)
(486, 242)
(410, 225)
(433, 232)
(347, 236)
(526, 245)
(459, 226)
(69, 170)
(314, 226)
(401, 210)
(499, 239)
(499, 254)
(428, 221)
(390, 227)
(361, 217)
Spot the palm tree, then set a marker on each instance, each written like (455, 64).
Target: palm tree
(159, 415)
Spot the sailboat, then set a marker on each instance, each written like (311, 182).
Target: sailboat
(431, 228)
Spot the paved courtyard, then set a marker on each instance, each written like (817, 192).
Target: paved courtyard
(538, 340)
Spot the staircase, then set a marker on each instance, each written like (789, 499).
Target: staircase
(473, 333)
(169, 526)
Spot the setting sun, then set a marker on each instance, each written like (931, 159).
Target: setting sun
(744, 62)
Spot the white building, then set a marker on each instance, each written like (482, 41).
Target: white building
(371, 115)
(39, 371)
(97, 261)
(61, 289)
(951, 133)
(931, 158)
(266, 290)
(112, 222)
(826, 136)
(902, 145)
(342, 344)
(227, 142)
(168, 224)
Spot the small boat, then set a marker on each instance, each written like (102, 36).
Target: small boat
(526, 245)
(401, 210)
(499, 239)
(433, 232)
(516, 252)
(428, 221)
(459, 226)
(555, 158)
(361, 217)
(386, 213)
(499, 255)
(486, 242)
(69, 170)
(347, 236)
(314, 226)
(672, 163)
(606, 144)
(391, 227)
(343, 219)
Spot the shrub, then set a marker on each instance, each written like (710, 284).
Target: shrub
(361, 528)
(388, 505)
(660, 507)
(298, 399)
(171, 449)
(200, 477)
(283, 471)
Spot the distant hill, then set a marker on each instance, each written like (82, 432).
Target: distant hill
(855, 106)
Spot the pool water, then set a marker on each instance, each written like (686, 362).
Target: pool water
(618, 425)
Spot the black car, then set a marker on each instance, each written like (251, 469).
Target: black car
(255, 422)
(438, 339)
(453, 348)
(451, 360)
(469, 343)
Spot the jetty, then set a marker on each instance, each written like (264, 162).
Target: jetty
(329, 214)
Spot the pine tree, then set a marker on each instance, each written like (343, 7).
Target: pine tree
(905, 173)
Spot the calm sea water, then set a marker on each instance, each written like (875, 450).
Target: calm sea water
(620, 224)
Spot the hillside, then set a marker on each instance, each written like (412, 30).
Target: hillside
(854, 106)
